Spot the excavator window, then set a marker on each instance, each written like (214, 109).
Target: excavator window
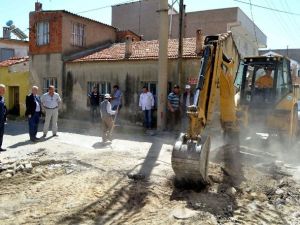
(284, 82)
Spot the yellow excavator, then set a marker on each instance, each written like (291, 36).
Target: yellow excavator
(256, 95)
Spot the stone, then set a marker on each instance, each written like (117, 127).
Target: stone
(8, 175)
(28, 167)
(231, 191)
(20, 167)
(183, 213)
(35, 163)
(262, 197)
(279, 192)
(11, 171)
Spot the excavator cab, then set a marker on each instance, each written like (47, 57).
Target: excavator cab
(267, 103)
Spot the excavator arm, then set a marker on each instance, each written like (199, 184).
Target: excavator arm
(190, 154)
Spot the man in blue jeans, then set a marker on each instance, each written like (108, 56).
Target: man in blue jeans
(146, 103)
(33, 112)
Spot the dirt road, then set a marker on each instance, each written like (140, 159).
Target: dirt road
(75, 179)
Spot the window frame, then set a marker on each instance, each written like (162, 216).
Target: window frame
(45, 33)
(78, 34)
(47, 81)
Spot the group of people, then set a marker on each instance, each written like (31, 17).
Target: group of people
(50, 101)
(35, 105)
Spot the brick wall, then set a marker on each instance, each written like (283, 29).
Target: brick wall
(55, 34)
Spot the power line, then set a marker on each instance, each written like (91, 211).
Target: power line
(104, 7)
(264, 7)
(254, 28)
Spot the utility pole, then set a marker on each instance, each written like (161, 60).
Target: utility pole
(180, 41)
(162, 65)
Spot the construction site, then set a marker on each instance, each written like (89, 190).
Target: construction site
(180, 123)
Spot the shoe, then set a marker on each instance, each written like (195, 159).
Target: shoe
(44, 135)
(2, 150)
(33, 139)
(54, 135)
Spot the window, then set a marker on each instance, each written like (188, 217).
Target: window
(284, 84)
(78, 34)
(6, 53)
(49, 81)
(42, 33)
(103, 87)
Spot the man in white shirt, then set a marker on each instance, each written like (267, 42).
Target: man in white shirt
(51, 101)
(146, 103)
(106, 117)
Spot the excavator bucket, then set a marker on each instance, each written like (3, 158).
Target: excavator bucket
(190, 161)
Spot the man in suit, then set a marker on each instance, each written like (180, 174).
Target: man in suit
(3, 112)
(33, 112)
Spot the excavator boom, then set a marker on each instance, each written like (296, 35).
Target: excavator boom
(190, 154)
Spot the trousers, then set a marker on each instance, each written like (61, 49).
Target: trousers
(51, 114)
(33, 122)
(107, 124)
(1, 132)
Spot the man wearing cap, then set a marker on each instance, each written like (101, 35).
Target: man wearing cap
(186, 101)
(174, 108)
(106, 116)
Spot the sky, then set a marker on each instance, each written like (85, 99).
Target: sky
(282, 29)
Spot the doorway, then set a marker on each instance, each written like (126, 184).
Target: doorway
(14, 101)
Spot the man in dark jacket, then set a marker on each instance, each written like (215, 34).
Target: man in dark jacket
(33, 112)
(3, 112)
(94, 103)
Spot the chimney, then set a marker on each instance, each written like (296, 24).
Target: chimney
(199, 41)
(38, 6)
(6, 32)
(128, 46)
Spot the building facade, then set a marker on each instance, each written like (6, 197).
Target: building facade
(142, 18)
(14, 74)
(132, 65)
(12, 48)
(56, 35)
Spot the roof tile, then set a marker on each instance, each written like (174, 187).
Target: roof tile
(13, 61)
(142, 50)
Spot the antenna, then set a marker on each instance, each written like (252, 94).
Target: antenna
(16, 31)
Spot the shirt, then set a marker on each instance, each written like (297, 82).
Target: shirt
(49, 101)
(264, 82)
(105, 109)
(146, 101)
(117, 98)
(174, 100)
(38, 107)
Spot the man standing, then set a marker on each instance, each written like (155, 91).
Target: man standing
(116, 102)
(174, 108)
(50, 102)
(106, 116)
(94, 102)
(186, 101)
(146, 103)
(33, 112)
(3, 112)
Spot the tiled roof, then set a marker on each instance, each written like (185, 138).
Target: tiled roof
(142, 50)
(13, 61)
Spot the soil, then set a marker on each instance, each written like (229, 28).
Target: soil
(77, 180)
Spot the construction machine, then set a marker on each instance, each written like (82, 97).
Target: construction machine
(256, 94)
